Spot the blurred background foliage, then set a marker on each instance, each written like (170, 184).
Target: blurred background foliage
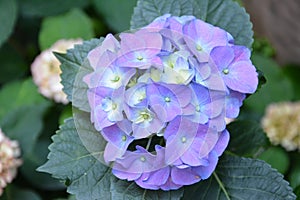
(31, 26)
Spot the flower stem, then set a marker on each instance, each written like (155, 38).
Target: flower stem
(221, 185)
(148, 144)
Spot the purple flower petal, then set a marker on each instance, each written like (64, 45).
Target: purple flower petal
(168, 100)
(241, 53)
(141, 161)
(157, 178)
(205, 171)
(144, 121)
(242, 77)
(126, 175)
(239, 75)
(214, 81)
(218, 123)
(136, 96)
(191, 156)
(233, 103)
(118, 139)
(140, 49)
(115, 77)
(106, 106)
(222, 143)
(172, 128)
(184, 176)
(170, 185)
(178, 143)
(109, 44)
(209, 138)
(107, 58)
(222, 56)
(202, 37)
(159, 23)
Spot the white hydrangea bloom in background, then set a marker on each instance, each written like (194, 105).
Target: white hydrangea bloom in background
(46, 71)
(9, 160)
(282, 124)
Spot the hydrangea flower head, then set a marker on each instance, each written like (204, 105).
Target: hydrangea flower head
(282, 124)
(9, 162)
(160, 96)
(46, 72)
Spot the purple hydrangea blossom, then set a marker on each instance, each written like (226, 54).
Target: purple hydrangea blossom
(159, 97)
(140, 49)
(174, 176)
(235, 67)
(202, 37)
(118, 138)
(145, 121)
(110, 44)
(168, 100)
(107, 105)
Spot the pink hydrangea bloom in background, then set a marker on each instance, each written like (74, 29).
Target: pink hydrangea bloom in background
(282, 124)
(46, 71)
(9, 160)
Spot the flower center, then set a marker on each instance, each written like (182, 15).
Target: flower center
(108, 105)
(116, 79)
(139, 58)
(171, 64)
(114, 106)
(198, 47)
(141, 96)
(226, 71)
(143, 116)
(197, 108)
(167, 99)
(142, 158)
(124, 138)
(183, 139)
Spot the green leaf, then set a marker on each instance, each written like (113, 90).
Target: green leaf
(261, 79)
(65, 114)
(294, 174)
(116, 13)
(71, 64)
(71, 197)
(80, 88)
(85, 175)
(14, 193)
(277, 158)
(134, 192)
(294, 171)
(297, 192)
(222, 13)
(24, 124)
(278, 87)
(294, 177)
(33, 160)
(42, 8)
(247, 138)
(292, 72)
(241, 178)
(12, 64)
(71, 25)
(8, 16)
(17, 94)
(263, 46)
(69, 160)
(21, 112)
